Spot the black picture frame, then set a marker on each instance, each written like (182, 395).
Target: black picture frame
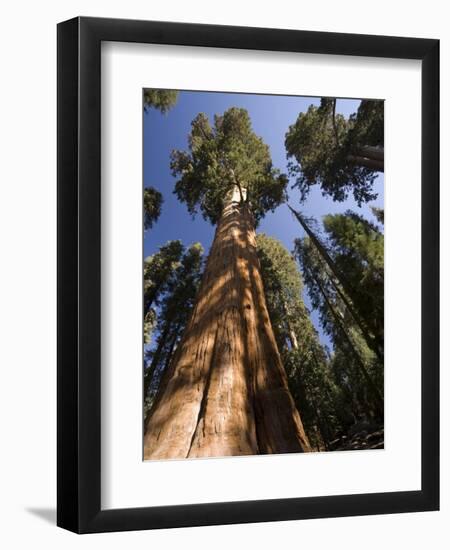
(79, 280)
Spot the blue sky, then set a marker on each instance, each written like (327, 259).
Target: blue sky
(271, 116)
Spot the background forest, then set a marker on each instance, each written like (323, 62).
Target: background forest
(307, 175)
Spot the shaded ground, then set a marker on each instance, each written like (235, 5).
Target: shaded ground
(359, 440)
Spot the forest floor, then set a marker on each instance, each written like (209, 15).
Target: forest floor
(359, 440)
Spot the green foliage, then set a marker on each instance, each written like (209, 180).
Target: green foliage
(357, 399)
(282, 285)
(356, 248)
(175, 307)
(157, 271)
(221, 158)
(367, 125)
(358, 251)
(314, 389)
(162, 100)
(339, 280)
(352, 236)
(322, 145)
(152, 206)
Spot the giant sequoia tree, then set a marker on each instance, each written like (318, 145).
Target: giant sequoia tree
(340, 155)
(226, 391)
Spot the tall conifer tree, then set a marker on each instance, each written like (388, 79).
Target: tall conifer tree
(227, 391)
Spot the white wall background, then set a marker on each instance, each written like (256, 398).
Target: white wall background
(28, 274)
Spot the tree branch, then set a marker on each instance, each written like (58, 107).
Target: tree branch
(371, 164)
(336, 139)
(371, 152)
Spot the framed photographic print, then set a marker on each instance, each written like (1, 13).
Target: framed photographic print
(248, 237)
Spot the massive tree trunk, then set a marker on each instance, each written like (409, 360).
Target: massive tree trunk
(225, 391)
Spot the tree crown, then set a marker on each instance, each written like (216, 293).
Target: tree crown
(223, 157)
(323, 146)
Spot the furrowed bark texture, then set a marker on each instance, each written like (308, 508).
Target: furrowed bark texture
(225, 392)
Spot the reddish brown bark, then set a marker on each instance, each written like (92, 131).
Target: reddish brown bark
(226, 391)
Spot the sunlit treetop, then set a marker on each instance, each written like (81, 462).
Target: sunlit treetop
(224, 157)
(338, 154)
(356, 239)
(281, 276)
(162, 100)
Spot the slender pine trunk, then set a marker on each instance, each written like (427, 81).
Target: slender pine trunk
(339, 323)
(225, 391)
(372, 342)
(150, 371)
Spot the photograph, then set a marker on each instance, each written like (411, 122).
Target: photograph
(263, 274)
